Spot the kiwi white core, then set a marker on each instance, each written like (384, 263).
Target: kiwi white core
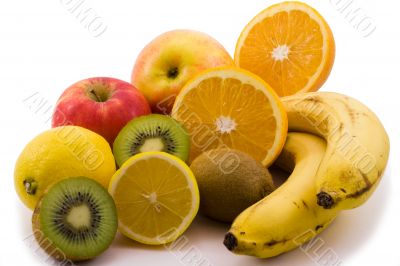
(79, 216)
(152, 144)
(281, 52)
(225, 124)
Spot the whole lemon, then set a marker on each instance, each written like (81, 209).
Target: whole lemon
(59, 153)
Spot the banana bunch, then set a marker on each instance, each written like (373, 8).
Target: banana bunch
(357, 145)
(336, 151)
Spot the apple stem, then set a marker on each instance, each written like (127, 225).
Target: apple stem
(93, 92)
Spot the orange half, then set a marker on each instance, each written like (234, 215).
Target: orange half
(232, 108)
(290, 46)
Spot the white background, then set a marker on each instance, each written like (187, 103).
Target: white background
(44, 49)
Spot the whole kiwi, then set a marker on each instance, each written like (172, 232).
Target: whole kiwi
(229, 181)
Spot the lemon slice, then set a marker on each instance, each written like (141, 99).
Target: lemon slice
(156, 196)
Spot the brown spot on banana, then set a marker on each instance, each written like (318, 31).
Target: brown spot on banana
(326, 201)
(315, 99)
(368, 186)
(366, 180)
(319, 227)
(358, 193)
(273, 242)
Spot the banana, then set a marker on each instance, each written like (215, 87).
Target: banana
(289, 216)
(357, 145)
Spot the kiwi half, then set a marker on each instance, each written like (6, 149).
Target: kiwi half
(153, 132)
(75, 220)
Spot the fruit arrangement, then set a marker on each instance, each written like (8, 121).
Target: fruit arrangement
(198, 130)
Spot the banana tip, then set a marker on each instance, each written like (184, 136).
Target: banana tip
(230, 241)
(325, 200)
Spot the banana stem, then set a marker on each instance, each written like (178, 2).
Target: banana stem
(230, 241)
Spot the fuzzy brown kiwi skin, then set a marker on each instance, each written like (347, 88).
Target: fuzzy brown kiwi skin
(45, 243)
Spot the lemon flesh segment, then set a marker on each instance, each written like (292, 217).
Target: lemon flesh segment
(156, 196)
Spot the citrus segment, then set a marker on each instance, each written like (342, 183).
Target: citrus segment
(156, 196)
(230, 107)
(290, 46)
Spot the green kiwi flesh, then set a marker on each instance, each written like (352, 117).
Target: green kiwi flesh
(75, 220)
(153, 132)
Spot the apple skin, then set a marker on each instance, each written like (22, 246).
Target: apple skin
(165, 65)
(103, 105)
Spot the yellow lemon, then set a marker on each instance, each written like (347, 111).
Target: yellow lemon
(59, 153)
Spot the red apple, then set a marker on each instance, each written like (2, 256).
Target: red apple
(165, 65)
(103, 105)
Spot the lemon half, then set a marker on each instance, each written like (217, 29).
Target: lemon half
(157, 197)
